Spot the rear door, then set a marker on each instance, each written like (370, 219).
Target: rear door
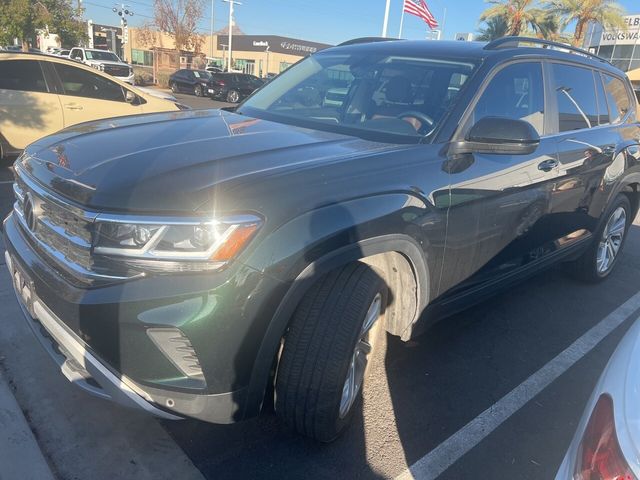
(587, 143)
(29, 106)
(87, 96)
(498, 203)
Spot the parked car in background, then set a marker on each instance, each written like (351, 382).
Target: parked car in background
(233, 87)
(41, 94)
(64, 53)
(213, 69)
(195, 82)
(105, 61)
(607, 442)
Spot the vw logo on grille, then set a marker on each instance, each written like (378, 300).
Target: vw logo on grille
(29, 213)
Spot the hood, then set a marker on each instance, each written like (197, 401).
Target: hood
(157, 93)
(172, 162)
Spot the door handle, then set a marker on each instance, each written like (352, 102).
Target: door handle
(547, 165)
(73, 106)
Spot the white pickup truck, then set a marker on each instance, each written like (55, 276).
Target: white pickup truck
(105, 61)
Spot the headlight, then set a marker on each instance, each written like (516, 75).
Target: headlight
(101, 67)
(176, 244)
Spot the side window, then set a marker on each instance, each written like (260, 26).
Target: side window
(603, 109)
(616, 97)
(76, 53)
(81, 83)
(517, 91)
(576, 97)
(23, 75)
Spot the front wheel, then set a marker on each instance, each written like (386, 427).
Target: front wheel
(174, 87)
(334, 332)
(197, 90)
(602, 256)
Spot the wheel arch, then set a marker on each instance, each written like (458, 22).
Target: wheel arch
(398, 258)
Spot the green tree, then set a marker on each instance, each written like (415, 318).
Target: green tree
(605, 12)
(22, 18)
(495, 27)
(519, 14)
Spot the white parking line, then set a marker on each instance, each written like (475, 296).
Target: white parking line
(5, 182)
(447, 453)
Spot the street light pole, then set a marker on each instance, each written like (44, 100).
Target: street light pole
(231, 4)
(211, 39)
(385, 23)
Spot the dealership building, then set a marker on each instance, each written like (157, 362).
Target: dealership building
(254, 54)
(620, 47)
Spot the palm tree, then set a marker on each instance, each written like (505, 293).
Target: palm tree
(606, 12)
(519, 14)
(496, 27)
(551, 28)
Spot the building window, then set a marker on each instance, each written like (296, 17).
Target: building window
(284, 66)
(142, 57)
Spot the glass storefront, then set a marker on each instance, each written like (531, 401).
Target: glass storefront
(620, 47)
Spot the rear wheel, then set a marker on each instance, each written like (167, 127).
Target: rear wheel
(333, 334)
(233, 96)
(602, 256)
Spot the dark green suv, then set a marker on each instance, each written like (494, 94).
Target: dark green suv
(208, 263)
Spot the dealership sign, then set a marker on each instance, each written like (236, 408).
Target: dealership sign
(622, 37)
(271, 43)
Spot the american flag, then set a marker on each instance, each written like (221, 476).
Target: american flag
(420, 9)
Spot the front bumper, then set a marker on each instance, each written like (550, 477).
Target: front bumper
(78, 364)
(98, 336)
(130, 79)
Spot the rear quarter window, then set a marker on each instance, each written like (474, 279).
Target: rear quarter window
(617, 97)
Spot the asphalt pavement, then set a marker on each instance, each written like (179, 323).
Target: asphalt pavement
(420, 395)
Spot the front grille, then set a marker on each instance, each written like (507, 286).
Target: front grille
(62, 233)
(117, 70)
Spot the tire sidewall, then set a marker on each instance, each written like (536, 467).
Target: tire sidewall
(198, 90)
(334, 397)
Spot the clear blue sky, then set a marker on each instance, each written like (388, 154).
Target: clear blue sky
(329, 21)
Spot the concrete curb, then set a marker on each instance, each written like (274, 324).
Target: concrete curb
(20, 455)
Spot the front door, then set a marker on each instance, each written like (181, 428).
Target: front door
(498, 202)
(86, 96)
(29, 108)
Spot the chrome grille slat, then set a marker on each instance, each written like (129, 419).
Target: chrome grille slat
(62, 232)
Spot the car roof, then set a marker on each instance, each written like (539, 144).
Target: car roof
(476, 52)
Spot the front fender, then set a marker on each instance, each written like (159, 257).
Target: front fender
(316, 242)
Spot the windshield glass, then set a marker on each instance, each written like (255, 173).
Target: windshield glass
(100, 55)
(202, 74)
(362, 92)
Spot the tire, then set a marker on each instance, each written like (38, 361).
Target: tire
(233, 96)
(174, 87)
(588, 267)
(324, 337)
(197, 91)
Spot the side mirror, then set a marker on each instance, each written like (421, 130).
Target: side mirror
(500, 136)
(131, 97)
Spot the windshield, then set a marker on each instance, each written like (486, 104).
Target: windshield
(201, 74)
(348, 93)
(100, 55)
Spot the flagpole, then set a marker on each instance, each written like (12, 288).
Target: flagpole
(444, 22)
(386, 19)
(401, 21)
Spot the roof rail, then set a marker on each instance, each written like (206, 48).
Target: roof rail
(355, 41)
(514, 42)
